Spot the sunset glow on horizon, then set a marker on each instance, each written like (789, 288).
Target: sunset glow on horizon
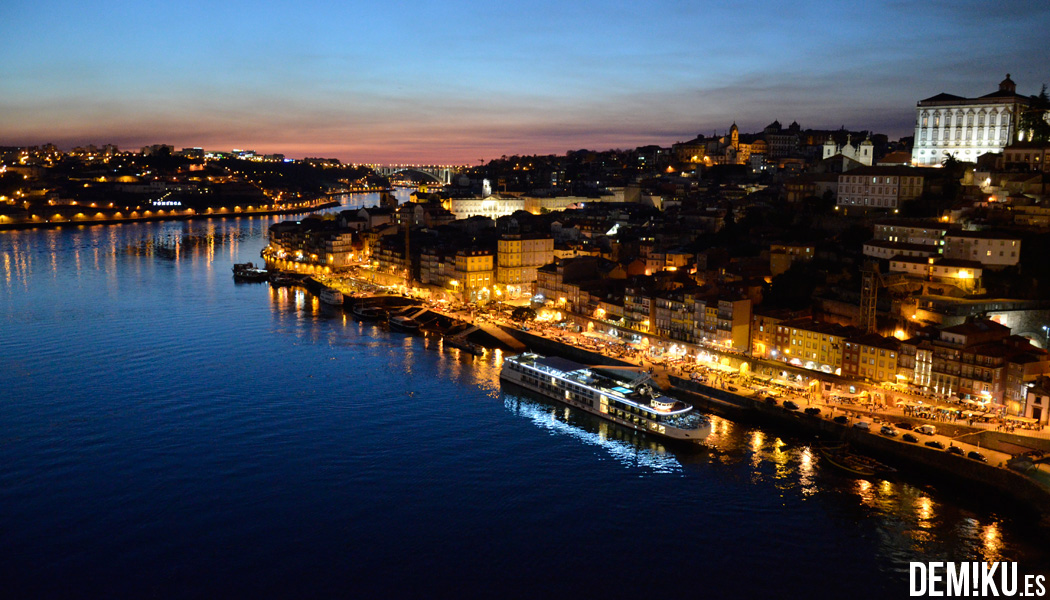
(467, 81)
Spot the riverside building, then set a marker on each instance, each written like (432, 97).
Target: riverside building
(966, 127)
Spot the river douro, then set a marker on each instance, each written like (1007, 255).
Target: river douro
(165, 432)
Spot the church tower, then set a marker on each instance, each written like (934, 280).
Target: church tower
(734, 136)
(866, 151)
(830, 147)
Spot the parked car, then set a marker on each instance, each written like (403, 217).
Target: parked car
(935, 444)
(771, 400)
(905, 425)
(927, 429)
(813, 410)
(862, 425)
(788, 404)
(956, 450)
(907, 437)
(888, 430)
(976, 456)
(841, 419)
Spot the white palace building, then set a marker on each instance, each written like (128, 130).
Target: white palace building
(966, 127)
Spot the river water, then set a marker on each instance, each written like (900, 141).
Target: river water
(165, 432)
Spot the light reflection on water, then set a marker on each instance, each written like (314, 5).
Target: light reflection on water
(611, 440)
(745, 477)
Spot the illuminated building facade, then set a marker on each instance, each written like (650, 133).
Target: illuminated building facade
(518, 258)
(966, 127)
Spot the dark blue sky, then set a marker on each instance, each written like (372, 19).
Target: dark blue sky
(462, 80)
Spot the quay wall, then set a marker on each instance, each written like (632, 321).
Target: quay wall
(993, 479)
(16, 225)
(542, 345)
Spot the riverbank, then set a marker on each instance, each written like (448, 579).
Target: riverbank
(742, 404)
(146, 216)
(993, 478)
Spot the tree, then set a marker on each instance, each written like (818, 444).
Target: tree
(523, 313)
(1033, 124)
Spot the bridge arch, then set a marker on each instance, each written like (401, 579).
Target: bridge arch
(438, 173)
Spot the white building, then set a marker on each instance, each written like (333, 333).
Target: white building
(986, 247)
(887, 250)
(879, 187)
(862, 152)
(928, 233)
(936, 269)
(966, 127)
(1037, 402)
(495, 207)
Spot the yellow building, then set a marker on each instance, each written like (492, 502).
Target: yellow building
(474, 274)
(518, 257)
(872, 357)
(813, 344)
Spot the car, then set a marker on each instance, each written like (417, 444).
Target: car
(888, 430)
(956, 450)
(935, 444)
(771, 400)
(976, 456)
(927, 429)
(788, 404)
(862, 425)
(905, 425)
(907, 437)
(813, 410)
(841, 419)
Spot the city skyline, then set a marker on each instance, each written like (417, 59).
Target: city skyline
(462, 82)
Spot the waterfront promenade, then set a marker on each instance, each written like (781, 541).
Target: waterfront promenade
(145, 216)
(741, 393)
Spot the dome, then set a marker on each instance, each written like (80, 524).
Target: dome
(1008, 85)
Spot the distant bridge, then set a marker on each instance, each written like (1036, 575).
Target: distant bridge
(438, 173)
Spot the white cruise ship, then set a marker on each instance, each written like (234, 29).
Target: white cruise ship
(629, 403)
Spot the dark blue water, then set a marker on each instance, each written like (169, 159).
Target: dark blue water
(167, 433)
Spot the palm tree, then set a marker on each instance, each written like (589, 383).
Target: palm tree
(950, 163)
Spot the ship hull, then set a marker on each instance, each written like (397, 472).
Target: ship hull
(590, 405)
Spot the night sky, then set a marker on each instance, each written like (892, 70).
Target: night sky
(463, 80)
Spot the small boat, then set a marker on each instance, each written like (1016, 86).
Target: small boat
(278, 279)
(464, 345)
(331, 297)
(366, 313)
(402, 323)
(247, 272)
(840, 456)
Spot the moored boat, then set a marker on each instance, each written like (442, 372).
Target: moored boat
(331, 297)
(247, 272)
(278, 279)
(840, 456)
(465, 345)
(366, 313)
(402, 323)
(634, 404)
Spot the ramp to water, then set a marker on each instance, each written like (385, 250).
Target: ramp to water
(503, 337)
